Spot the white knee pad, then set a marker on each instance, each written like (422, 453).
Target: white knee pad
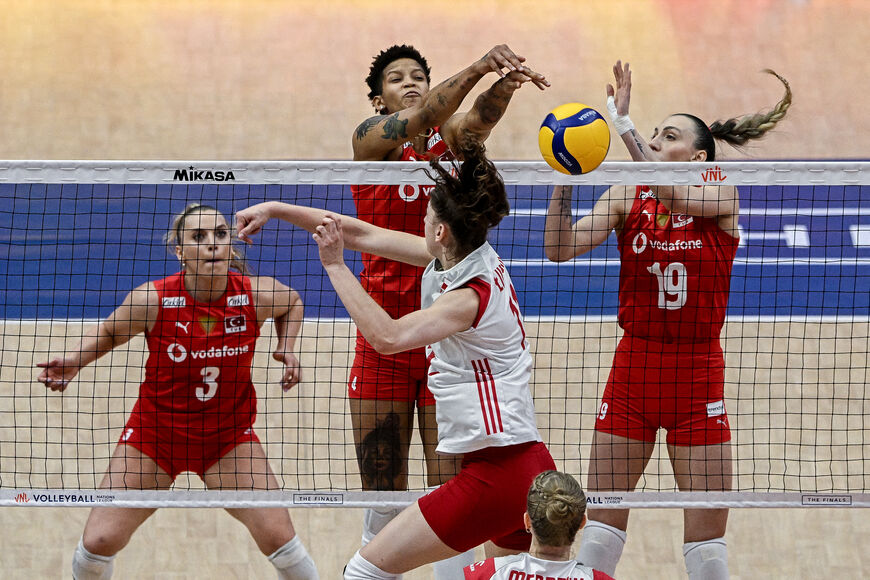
(707, 560)
(361, 569)
(87, 566)
(293, 562)
(375, 520)
(601, 547)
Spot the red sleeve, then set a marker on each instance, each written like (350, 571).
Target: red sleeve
(483, 290)
(480, 570)
(596, 575)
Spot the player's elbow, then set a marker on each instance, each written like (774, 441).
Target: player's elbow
(386, 342)
(558, 252)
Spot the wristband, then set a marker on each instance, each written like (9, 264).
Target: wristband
(622, 123)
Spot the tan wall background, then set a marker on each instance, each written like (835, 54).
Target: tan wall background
(262, 79)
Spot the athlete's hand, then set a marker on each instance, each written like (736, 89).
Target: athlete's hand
(515, 79)
(502, 57)
(292, 369)
(250, 220)
(57, 373)
(622, 94)
(330, 240)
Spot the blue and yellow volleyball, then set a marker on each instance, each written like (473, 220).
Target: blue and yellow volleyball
(574, 138)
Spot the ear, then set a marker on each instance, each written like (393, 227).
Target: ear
(378, 104)
(583, 521)
(527, 521)
(178, 253)
(700, 155)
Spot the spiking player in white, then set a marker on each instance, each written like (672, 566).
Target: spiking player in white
(479, 368)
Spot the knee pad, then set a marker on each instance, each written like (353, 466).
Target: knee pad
(88, 566)
(707, 560)
(601, 547)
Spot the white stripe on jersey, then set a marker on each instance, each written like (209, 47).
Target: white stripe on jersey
(527, 567)
(480, 377)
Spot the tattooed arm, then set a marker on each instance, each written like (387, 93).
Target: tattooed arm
(565, 239)
(486, 112)
(377, 137)
(636, 145)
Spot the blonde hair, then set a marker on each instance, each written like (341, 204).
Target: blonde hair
(556, 505)
(173, 237)
(737, 131)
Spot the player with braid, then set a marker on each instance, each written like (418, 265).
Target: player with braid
(677, 245)
(479, 363)
(413, 122)
(197, 404)
(556, 510)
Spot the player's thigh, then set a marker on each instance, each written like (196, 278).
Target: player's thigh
(703, 468)
(108, 530)
(245, 466)
(382, 436)
(616, 464)
(407, 542)
(439, 468)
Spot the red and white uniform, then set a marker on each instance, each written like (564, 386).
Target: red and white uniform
(527, 567)
(480, 376)
(668, 370)
(394, 285)
(197, 400)
(480, 380)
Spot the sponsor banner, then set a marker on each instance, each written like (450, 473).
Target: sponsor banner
(318, 498)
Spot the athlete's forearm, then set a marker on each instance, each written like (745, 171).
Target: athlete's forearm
(488, 109)
(288, 325)
(371, 320)
(637, 146)
(558, 232)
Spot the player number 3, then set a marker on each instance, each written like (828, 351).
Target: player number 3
(672, 285)
(209, 377)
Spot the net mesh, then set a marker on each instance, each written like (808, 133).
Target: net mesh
(76, 238)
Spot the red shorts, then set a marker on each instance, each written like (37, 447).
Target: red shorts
(174, 451)
(486, 500)
(679, 387)
(399, 377)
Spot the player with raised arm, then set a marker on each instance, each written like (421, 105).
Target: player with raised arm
(479, 363)
(197, 404)
(556, 510)
(413, 123)
(676, 245)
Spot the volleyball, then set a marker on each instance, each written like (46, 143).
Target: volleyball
(574, 138)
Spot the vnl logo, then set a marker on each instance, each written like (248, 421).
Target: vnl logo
(714, 175)
(22, 498)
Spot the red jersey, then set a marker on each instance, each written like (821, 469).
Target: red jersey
(198, 374)
(675, 273)
(394, 285)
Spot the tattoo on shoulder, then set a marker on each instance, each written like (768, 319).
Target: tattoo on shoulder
(366, 126)
(394, 128)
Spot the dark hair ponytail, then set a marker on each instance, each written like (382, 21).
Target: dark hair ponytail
(471, 199)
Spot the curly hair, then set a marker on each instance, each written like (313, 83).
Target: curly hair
(471, 200)
(375, 81)
(556, 505)
(174, 236)
(738, 131)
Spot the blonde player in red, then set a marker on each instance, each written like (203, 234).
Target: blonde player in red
(413, 123)
(556, 510)
(479, 364)
(197, 404)
(676, 246)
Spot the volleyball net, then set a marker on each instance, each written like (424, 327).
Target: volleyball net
(77, 237)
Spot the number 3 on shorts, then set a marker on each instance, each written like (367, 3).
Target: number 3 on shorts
(209, 377)
(602, 411)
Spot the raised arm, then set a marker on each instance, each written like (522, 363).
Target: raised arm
(451, 313)
(133, 316)
(375, 137)
(618, 101)
(488, 108)
(359, 235)
(565, 239)
(712, 201)
(284, 306)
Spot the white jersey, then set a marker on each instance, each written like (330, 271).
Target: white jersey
(527, 567)
(480, 376)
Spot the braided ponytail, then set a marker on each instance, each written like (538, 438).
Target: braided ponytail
(738, 131)
(556, 506)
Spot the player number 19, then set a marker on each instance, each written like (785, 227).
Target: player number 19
(672, 285)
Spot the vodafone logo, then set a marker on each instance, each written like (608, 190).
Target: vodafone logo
(176, 352)
(639, 243)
